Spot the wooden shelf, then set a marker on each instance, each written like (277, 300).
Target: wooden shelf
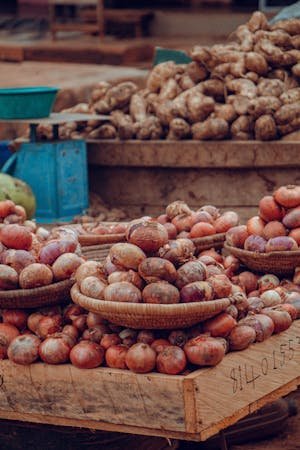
(191, 407)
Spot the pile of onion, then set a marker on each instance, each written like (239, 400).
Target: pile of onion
(275, 228)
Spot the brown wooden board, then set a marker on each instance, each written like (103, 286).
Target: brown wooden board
(144, 176)
(191, 407)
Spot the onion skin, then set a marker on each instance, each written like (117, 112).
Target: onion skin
(178, 338)
(289, 308)
(16, 317)
(262, 324)
(126, 256)
(288, 196)
(226, 221)
(221, 285)
(267, 282)
(183, 222)
(241, 337)
(190, 272)
(255, 244)
(147, 235)
(8, 278)
(161, 293)
(198, 291)
(141, 358)
(295, 234)
(7, 333)
(24, 349)
(146, 336)
(122, 292)
(48, 325)
(129, 275)
(270, 210)
(202, 216)
(204, 350)
(54, 350)
(220, 325)
(66, 265)
(248, 281)
(256, 226)
(7, 207)
(292, 218)
(55, 248)
(163, 219)
(110, 339)
(35, 275)
(89, 269)
(178, 252)
(93, 287)
(271, 298)
(282, 243)
(282, 319)
(157, 269)
(236, 236)
(171, 360)
(87, 355)
(171, 230)
(213, 253)
(201, 229)
(232, 311)
(212, 210)
(274, 229)
(17, 259)
(240, 301)
(296, 304)
(16, 236)
(115, 356)
(176, 208)
(255, 305)
(159, 345)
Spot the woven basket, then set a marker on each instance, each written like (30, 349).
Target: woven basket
(96, 252)
(207, 242)
(150, 316)
(33, 298)
(278, 263)
(100, 239)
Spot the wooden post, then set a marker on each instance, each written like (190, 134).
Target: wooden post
(52, 20)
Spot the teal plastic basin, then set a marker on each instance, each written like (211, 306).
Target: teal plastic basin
(26, 102)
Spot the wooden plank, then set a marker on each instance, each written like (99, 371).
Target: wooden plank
(11, 53)
(104, 395)
(193, 154)
(191, 407)
(245, 381)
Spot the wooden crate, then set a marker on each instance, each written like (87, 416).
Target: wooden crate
(144, 176)
(191, 407)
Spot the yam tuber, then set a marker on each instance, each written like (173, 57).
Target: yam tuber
(185, 82)
(269, 87)
(119, 96)
(138, 108)
(291, 26)
(169, 90)
(258, 21)
(287, 113)
(293, 136)
(105, 131)
(179, 129)
(265, 128)
(160, 74)
(164, 112)
(263, 105)
(196, 71)
(213, 88)
(124, 124)
(296, 70)
(226, 112)
(290, 96)
(210, 129)
(255, 62)
(242, 87)
(240, 103)
(242, 128)
(199, 107)
(245, 37)
(100, 91)
(279, 38)
(150, 128)
(290, 127)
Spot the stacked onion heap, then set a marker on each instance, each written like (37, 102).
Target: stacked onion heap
(29, 256)
(276, 228)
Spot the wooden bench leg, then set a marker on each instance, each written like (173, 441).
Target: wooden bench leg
(100, 18)
(52, 17)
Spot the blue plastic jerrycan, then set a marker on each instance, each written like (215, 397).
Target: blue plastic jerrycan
(57, 173)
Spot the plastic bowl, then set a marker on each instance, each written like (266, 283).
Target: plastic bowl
(26, 102)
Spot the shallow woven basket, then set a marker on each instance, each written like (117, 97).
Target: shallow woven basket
(149, 316)
(278, 263)
(100, 239)
(96, 252)
(33, 298)
(207, 242)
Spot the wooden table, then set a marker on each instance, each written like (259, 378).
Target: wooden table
(192, 407)
(142, 177)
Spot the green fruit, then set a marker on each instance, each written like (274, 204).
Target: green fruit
(19, 192)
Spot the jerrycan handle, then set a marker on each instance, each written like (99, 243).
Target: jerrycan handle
(9, 165)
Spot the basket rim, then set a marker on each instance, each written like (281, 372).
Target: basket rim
(42, 290)
(261, 256)
(147, 309)
(211, 238)
(94, 239)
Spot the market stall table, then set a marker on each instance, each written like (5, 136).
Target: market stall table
(188, 407)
